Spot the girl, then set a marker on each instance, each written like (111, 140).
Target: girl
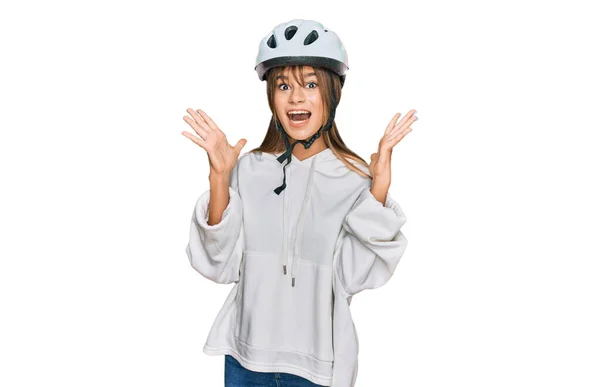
(298, 240)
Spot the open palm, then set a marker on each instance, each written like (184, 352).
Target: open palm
(380, 166)
(222, 157)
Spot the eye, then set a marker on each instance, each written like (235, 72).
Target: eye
(286, 85)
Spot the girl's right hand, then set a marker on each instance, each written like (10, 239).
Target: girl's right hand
(222, 157)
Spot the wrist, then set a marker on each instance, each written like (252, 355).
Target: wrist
(380, 182)
(214, 177)
(379, 189)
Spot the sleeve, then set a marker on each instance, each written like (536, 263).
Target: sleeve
(215, 251)
(371, 245)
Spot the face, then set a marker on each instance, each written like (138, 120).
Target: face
(290, 96)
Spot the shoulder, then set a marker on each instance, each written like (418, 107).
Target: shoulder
(252, 163)
(361, 180)
(360, 166)
(259, 160)
(245, 158)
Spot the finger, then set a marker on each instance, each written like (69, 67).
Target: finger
(197, 117)
(199, 120)
(400, 131)
(195, 139)
(408, 116)
(403, 124)
(208, 120)
(240, 144)
(394, 139)
(392, 122)
(399, 138)
(201, 131)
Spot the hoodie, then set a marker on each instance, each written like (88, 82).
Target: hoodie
(296, 260)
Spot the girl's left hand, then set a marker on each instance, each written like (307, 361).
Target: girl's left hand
(381, 162)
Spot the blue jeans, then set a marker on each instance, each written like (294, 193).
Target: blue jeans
(238, 376)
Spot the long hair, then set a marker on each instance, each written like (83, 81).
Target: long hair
(273, 142)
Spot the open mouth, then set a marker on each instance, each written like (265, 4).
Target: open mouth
(298, 117)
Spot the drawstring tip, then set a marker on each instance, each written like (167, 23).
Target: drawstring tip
(293, 281)
(284, 271)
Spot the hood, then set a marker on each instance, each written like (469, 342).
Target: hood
(325, 162)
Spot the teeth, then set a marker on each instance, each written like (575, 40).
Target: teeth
(298, 112)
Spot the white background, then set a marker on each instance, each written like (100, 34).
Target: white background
(498, 179)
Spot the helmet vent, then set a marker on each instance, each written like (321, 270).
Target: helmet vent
(271, 42)
(290, 32)
(311, 37)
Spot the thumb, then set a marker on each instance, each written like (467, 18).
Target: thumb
(240, 144)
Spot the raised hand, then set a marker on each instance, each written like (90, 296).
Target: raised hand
(222, 157)
(381, 162)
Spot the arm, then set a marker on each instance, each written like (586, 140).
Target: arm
(219, 197)
(215, 250)
(371, 245)
(379, 189)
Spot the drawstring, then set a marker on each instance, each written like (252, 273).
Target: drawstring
(305, 202)
(285, 232)
(299, 229)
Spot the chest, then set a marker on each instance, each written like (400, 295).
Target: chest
(304, 219)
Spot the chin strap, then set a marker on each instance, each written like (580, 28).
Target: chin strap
(287, 155)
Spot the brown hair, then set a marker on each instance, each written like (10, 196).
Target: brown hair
(273, 142)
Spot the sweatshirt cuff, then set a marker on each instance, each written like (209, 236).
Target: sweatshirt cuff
(203, 206)
(394, 206)
(369, 211)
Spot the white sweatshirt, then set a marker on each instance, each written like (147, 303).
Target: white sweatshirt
(335, 240)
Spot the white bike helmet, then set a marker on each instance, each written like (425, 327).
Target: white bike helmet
(302, 42)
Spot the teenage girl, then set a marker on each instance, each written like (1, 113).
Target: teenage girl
(325, 219)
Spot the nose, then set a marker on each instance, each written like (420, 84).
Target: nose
(297, 95)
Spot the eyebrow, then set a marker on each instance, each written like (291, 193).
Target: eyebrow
(284, 77)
